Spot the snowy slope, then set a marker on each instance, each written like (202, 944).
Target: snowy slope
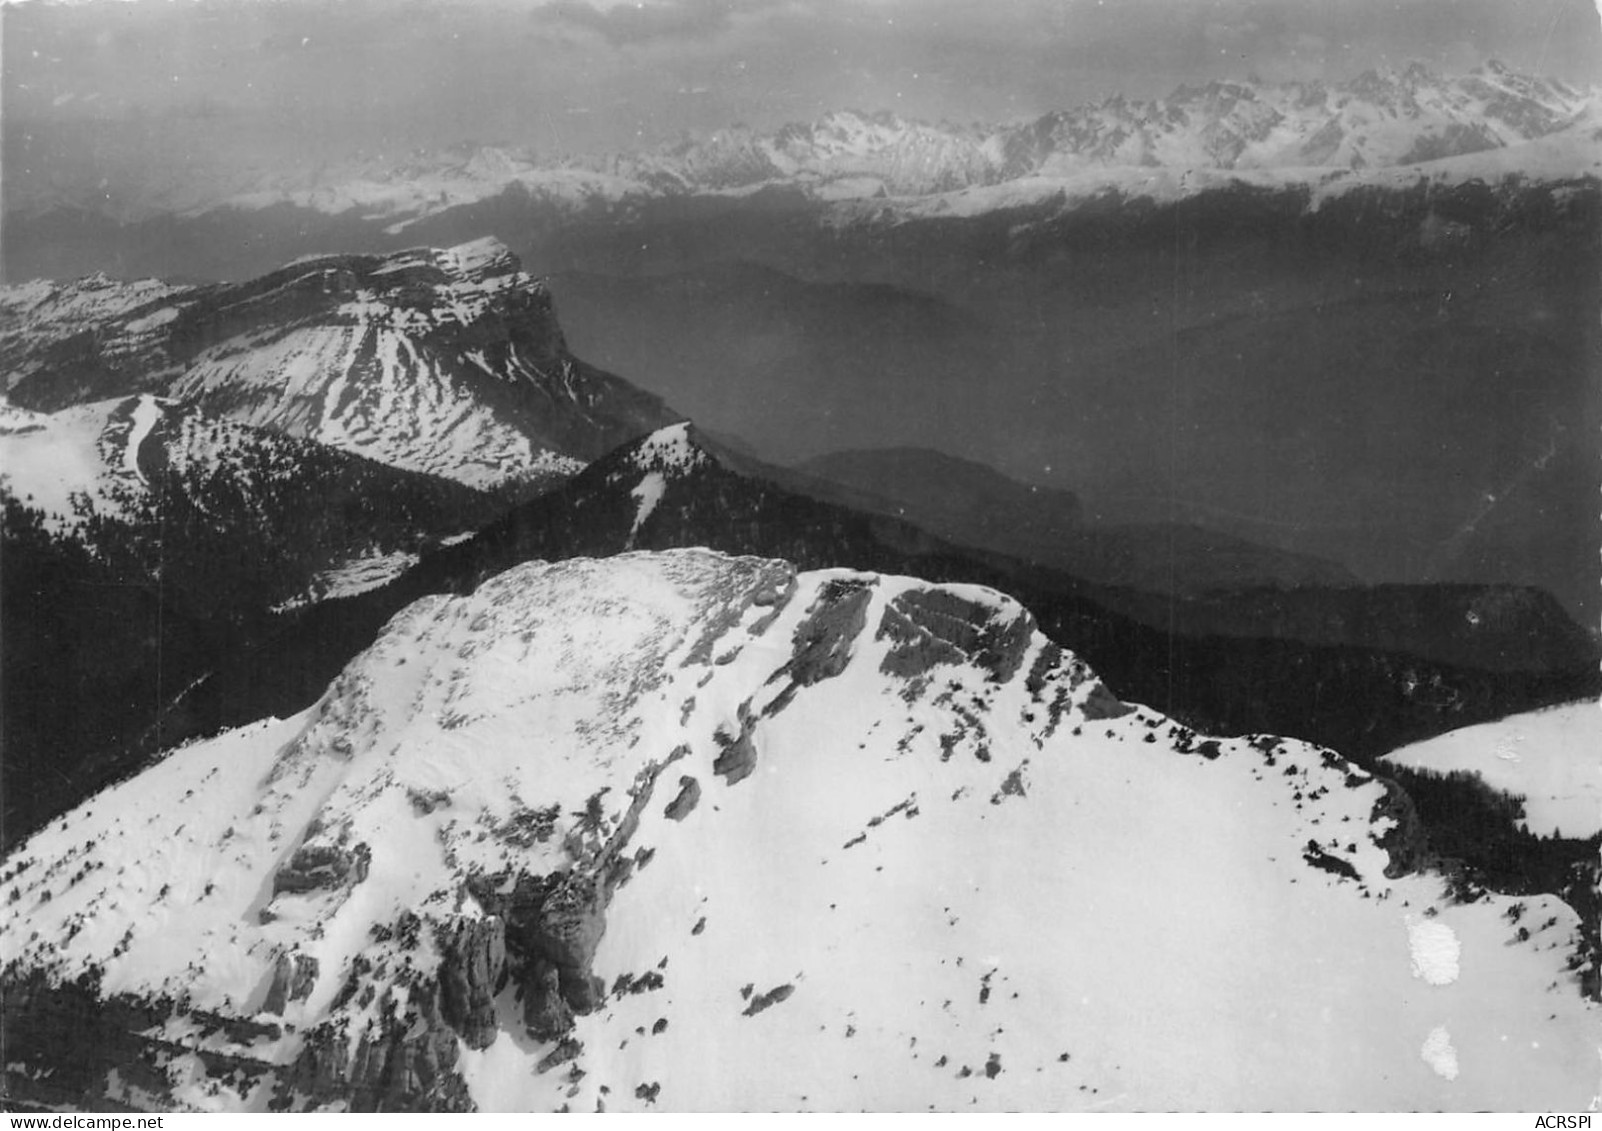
(690, 832)
(97, 451)
(1551, 758)
(444, 361)
(170, 473)
(46, 458)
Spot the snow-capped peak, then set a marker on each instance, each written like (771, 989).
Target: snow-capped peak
(670, 450)
(697, 832)
(665, 455)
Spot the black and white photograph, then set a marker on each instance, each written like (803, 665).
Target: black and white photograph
(800, 556)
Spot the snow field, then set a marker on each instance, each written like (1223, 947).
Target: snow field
(1552, 758)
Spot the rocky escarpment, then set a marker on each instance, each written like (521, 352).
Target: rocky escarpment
(472, 972)
(445, 361)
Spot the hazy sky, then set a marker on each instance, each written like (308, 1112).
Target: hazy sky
(574, 75)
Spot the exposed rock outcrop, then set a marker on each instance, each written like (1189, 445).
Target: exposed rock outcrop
(934, 626)
(684, 803)
(550, 927)
(472, 971)
(406, 1062)
(294, 976)
(564, 930)
(1101, 703)
(822, 643)
(322, 867)
(737, 756)
(546, 1014)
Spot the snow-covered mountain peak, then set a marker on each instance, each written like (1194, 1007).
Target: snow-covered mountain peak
(647, 467)
(670, 450)
(699, 832)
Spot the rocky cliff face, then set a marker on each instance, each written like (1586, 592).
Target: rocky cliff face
(443, 361)
(926, 852)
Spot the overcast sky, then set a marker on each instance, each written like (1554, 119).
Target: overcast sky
(576, 75)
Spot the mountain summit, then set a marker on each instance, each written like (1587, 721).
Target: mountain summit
(694, 832)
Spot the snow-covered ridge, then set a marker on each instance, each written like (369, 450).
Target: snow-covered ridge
(697, 832)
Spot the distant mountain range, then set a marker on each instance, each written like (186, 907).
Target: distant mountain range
(1377, 120)
(1327, 134)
